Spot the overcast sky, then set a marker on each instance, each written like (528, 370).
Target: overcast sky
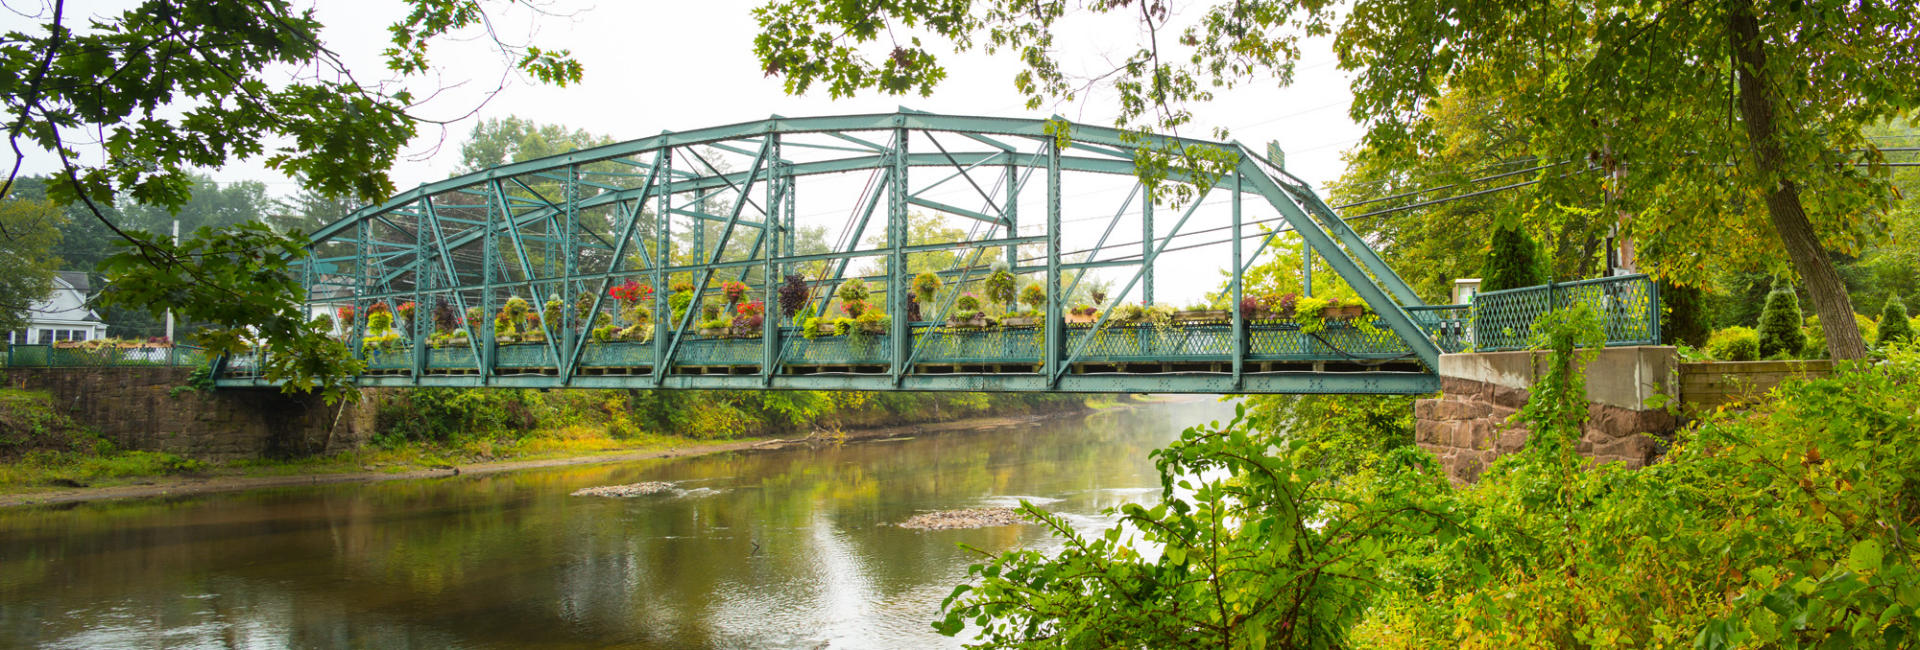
(654, 66)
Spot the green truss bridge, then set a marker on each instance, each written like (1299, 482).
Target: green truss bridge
(722, 258)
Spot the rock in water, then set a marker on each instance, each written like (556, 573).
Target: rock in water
(969, 518)
(634, 490)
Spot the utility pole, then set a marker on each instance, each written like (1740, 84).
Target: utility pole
(176, 242)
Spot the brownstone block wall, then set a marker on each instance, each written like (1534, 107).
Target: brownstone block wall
(1469, 426)
(136, 408)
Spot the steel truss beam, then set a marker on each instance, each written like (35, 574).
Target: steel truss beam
(447, 241)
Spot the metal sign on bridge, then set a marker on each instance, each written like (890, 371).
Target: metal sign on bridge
(698, 260)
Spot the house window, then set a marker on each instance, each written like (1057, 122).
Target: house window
(46, 336)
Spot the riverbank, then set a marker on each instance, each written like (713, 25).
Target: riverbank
(418, 461)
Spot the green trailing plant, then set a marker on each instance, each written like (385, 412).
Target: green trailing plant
(711, 309)
(1894, 326)
(678, 302)
(1780, 321)
(926, 285)
(1512, 261)
(603, 333)
(1000, 286)
(554, 313)
(323, 322)
(1307, 313)
(873, 322)
(967, 302)
(1734, 344)
(1033, 296)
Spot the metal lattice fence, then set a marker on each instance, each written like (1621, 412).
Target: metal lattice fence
(1629, 307)
(47, 356)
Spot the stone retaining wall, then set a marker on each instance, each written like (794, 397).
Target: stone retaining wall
(1468, 426)
(137, 408)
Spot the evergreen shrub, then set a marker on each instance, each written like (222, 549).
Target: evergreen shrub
(1780, 333)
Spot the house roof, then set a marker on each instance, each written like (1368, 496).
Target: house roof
(75, 279)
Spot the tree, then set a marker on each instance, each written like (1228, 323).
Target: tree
(170, 85)
(1893, 323)
(1710, 122)
(1511, 262)
(29, 231)
(1780, 332)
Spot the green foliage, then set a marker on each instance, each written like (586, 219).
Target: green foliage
(29, 231)
(1780, 321)
(1512, 261)
(925, 285)
(242, 285)
(1894, 327)
(1684, 317)
(1000, 287)
(1734, 344)
(1034, 296)
(853, 290)
(452, 414)
(1259, 550)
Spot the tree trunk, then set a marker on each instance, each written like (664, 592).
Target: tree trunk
(1828, 293)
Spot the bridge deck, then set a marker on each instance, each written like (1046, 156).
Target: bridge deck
(1188, 357)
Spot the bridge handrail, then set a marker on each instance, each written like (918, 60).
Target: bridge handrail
(1629, 306)
(41, 355)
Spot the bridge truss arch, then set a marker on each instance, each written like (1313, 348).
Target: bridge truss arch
(512, 272)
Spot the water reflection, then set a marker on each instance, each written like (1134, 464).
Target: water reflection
(790, 548)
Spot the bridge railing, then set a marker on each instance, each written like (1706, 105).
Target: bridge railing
(49, 356)
(1629, 308)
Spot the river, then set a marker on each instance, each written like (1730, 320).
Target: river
(788, 548)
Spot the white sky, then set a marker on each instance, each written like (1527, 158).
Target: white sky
(654, 66)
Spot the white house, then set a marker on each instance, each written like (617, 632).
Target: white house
(63, 316)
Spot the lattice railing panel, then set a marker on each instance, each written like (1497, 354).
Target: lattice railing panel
(617, 354)
(1011, 345)
(1628, 305)
(845, 349)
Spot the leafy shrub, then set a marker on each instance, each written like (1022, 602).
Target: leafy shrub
(967, 302)
(1512, 261)
(1893, 323)
(1780, 333)
(1734, 344)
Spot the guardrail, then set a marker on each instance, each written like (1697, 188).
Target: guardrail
(48, 356)
(1629, 307)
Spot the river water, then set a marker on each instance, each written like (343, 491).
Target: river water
(792, 548)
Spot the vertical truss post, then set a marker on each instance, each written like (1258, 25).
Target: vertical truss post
(421, 311)
(1146, 247)
(662, 258)
(770, 303)
(362, 286)
(1239, 290)
(1306, 268)
(899, 329)
(1012, 211)
(563, 356)
(1050, 360)
(489, 260)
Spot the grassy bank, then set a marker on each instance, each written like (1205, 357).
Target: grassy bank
(42, 450)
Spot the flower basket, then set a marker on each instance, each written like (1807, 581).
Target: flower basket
(1019, 321)
(1081, 319)
(1342, 312)
(713, 331)
(976, 320)
(1191, 315)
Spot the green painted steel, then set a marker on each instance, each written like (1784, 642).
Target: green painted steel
(47, 356)
(564, 232)
(1629, 307)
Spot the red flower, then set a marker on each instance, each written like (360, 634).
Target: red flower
(346, 314)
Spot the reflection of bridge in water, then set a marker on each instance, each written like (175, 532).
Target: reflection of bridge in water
(539, 273)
